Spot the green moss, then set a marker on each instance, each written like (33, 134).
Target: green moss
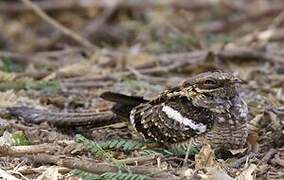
(20, 139)
(7, 65)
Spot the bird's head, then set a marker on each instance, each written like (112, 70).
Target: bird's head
(211, 89)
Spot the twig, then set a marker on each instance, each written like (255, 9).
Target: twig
(51, 58)
(277, 21)
(52, 5)
(141, 76)
(28, 170)
(16, 151)
(173, 62)
(225, 26)
(57, 25)
(89, 166)
(138, 160)
(248, 54)
(268, 155)
(278, 161)
(187, 153)
(94, 26)
(239, 162)
(85, 84)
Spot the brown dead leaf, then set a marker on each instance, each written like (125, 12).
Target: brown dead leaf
(139, 59)
(252, 141)
(215, 173)
(70, 70)
(7, 77)
(247, 174)
(50, 174)
(10, 98)
(237, 151)
(205, 158)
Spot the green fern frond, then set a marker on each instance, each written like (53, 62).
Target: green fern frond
(84, 175)
(157, 151)
(108, 176)
(92, 146)
(20, 139)
(124, 176)
(96, 149)
(122, 144)
(181, 150)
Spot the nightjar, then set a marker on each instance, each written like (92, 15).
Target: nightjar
(206, 106)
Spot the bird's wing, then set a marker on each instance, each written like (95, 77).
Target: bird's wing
(171, 121)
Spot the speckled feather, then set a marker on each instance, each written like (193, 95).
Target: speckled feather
(207, 106)
(152, 122)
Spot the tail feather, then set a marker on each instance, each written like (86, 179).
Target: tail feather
(124, 104)
(123, 99)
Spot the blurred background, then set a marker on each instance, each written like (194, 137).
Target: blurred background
(153, 26)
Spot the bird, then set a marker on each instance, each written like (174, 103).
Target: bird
(205, 107)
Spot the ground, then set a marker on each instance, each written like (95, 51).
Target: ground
(57, 57)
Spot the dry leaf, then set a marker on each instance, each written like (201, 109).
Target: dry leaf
(253, 124)
(247, 174)
(205, 157)
(252, 141)
(72, 70)
(6, 175)
(7, 77)
(138, 59)
(188, 173)
(215, 173)
(51, 173)
(6, 139)
(8, 99)
(237, 151)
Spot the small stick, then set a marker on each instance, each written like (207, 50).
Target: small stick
(22, 150)
(268, 155)
(89, 166)
(138, 159)
(239, 162)
(187, 153)
(57, 25)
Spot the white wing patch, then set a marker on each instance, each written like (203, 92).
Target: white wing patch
(174, 114)
(132, 114)
(243, 110)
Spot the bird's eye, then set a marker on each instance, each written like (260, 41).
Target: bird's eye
(210, 82)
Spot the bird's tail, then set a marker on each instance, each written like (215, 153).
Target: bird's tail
(124, 104)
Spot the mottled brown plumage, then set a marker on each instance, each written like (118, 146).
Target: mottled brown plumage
(206, 106)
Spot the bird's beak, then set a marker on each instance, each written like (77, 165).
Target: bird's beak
(238, 81)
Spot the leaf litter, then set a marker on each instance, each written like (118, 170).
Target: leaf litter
(137, 48)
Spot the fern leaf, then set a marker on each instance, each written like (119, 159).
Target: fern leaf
(124, 176)
(157, 151)
(93, 147)
(122, 144)
(181, 150)
(107, 176)
(84, 175)
(96, 149)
